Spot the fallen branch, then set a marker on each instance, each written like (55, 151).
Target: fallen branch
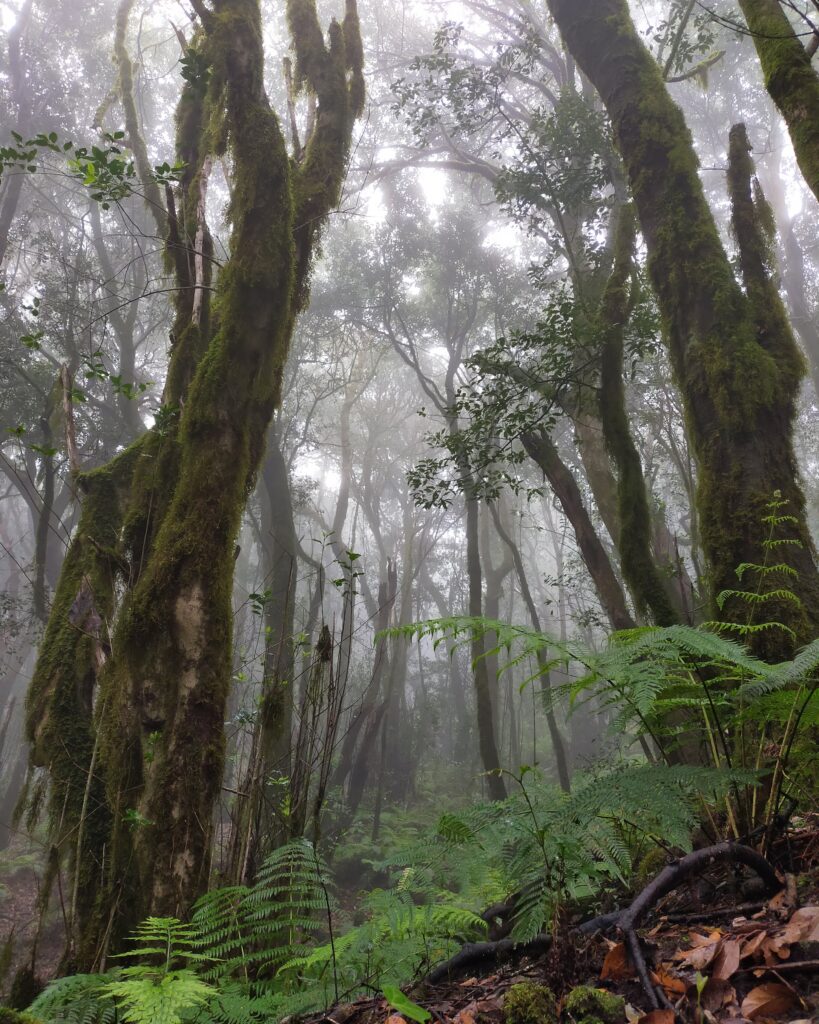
(478, 954)
(668, 880)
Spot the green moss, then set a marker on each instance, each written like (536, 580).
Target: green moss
(634, 543)
(738, 386)
(13, 1017)
(585, 1003)
(651, 864)
(790, 78)
(529, 1003)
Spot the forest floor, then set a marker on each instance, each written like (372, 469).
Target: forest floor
(717, 952)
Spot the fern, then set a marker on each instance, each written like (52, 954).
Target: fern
(147, 996)
(250, 932)
(75, 1000)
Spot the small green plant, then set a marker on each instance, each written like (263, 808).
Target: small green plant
(404, 1005)
(159, 993)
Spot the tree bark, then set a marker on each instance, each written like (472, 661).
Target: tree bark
(790, 78)
(542, 449)
(739, 378)
(160, 711)
(636, 558)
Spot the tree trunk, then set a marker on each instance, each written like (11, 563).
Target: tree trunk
(160, 712)
(790, 78)
(487, 740)
(542, 449)
(558, 745)
(636, 557)
(739, 377)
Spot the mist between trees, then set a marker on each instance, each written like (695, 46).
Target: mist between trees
(406, 408)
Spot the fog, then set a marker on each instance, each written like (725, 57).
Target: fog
(437, 452)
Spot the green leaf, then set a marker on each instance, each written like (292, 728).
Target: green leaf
(405, 1006)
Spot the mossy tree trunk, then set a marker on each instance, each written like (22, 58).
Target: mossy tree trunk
(790, 78)
(739, 377)
(541, 448)
(634, 543)
(157, 735)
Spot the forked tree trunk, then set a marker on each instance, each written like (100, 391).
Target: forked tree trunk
(174, 500)
(738, 370)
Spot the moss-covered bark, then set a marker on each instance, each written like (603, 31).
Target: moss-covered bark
(60, 701)
(739, 388)
(174, 636)
(790, 78)
(634, 543)
(540, 447)
(166, 513)
(133, 131)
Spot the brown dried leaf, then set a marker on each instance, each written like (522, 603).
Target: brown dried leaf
(670, 982)
(776, 948)
(768, 1000)
(465, 1016)
(616, 966)
(803, 925)
(752, 944)
(488, 1006)
(658, 1017)
(700, 957)
(726, 962)
(395, 1018)
(717, 993)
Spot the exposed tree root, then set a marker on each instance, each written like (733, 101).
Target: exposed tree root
(482, 954)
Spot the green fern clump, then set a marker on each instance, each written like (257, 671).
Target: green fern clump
(75, 1000)
(249, 932)
(160, 992)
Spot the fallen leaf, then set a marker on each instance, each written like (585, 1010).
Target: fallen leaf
(717, 993)
(616, 966)
(487, 1006)
(468, 982)
(804, 925)
(395, 1018)
(768, 1000)
(726, 961)
(466, 1016)
(776, 948)
(633, 1014)
(752, 944)
(669, 982)
(700, 956)
(658, 1017)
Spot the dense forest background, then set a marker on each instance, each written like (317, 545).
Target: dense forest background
(449, 450)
